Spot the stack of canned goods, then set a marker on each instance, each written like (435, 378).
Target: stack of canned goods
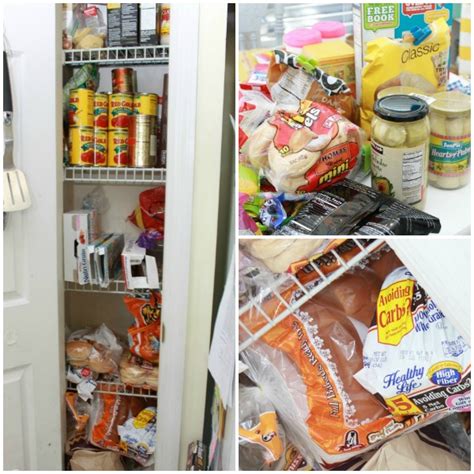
(115, 129)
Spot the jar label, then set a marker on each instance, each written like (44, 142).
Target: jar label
(400, 172)
(449, 156)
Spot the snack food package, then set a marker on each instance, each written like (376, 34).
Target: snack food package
(390, 63)
(293, 78)
(349, 207)
(150, 212)
(144, 336)
(93, 460)
(307, 150)
(414, 359)
(97, 349)
(261, 437)
(306, 363)
(108, 412)
(138, 435)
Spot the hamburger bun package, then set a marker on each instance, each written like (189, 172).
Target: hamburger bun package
(414, 359)
(407, 63)
(306, 150)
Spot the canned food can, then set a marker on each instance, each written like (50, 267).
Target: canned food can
(81, 108)
(122, 80)
(145, 104)
(81, 146)
(100, 147)
(142, 141)
(134, 82)
(101, 111)
(118, 148)
(120, 109)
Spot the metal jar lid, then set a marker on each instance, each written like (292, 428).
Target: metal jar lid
(451, 103)
(401, 108)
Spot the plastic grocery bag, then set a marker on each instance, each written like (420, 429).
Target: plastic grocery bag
(391, 62)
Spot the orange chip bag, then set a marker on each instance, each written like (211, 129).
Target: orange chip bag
(144, 336)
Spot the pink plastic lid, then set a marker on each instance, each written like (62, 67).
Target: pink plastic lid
(330, 29)
(301, 37)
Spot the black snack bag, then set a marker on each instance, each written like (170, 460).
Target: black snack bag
(349, 207)
(395, 218)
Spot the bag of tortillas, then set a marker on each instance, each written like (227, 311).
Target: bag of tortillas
(414, 359)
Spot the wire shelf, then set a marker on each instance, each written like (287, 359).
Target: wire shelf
(118, 388)
(115, 175)
(115, 286)
(307, 292)
(117, 56)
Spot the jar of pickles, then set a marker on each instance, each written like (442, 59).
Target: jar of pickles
(450, 140)
(400, 133)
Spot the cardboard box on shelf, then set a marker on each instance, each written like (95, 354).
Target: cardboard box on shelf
(390, 20)
(129, 24)
(149, 23)
(79, 228)
(113, 25)
(140, 270)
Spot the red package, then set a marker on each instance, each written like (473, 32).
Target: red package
(144, 336)
(150, 213)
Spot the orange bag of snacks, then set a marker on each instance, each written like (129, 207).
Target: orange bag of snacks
(144, 336)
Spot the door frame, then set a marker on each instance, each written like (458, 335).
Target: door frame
(182, 106)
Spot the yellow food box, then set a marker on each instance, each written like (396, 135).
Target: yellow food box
(335, 58)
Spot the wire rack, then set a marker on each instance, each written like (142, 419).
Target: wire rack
(115, 175)
(118, 388)
(117, 56)
(307, 293)
(115, 286)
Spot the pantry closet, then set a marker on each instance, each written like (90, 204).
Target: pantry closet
(40, 307)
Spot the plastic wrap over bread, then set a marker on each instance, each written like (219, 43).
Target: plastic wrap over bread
(307, 150)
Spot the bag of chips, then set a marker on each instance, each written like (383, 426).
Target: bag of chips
(150, 213)
(144, 336)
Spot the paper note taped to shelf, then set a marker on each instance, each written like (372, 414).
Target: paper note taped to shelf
(140, 270)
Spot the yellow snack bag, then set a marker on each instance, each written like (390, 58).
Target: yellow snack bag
(392, 63)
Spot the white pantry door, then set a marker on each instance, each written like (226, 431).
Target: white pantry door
(33, 321)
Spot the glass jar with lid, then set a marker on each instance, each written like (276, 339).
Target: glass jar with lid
(450, 140)
(400, 133)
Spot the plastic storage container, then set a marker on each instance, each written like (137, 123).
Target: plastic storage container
(450, 140)
(330, 30)
(400, 147)
(295, 40)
